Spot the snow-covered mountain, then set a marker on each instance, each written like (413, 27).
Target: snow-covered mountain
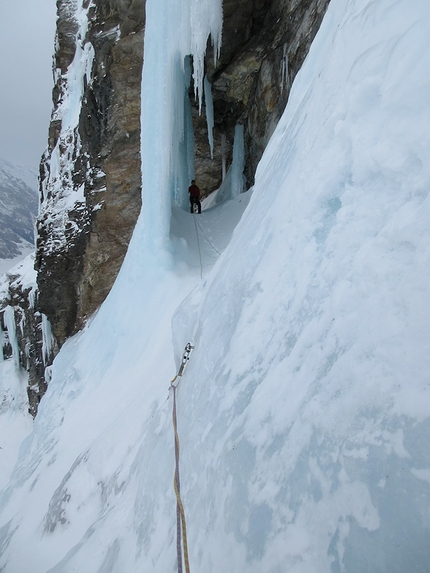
(18, 210)
(304, 410)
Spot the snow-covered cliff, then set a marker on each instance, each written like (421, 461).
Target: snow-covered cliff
(90, 172)
(303, 412)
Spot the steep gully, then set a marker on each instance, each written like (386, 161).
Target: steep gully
(81, 246)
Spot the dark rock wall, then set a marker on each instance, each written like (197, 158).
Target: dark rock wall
(115, 97)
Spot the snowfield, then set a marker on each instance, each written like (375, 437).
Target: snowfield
(304, 411)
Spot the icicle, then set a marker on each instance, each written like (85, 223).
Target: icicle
(178, 143)
(234, 180)
(209, 113)
(47, 339)
(217, 40)
(238, 164)
(189, 135)
(285, 81)
(182, 163)
(174, 30)
(2, 340)
(223, 146)
(9, 320)
(48, 374)
(205, 17)
(32, 296)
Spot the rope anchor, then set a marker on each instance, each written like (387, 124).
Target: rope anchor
(181, 526)
(184, 362)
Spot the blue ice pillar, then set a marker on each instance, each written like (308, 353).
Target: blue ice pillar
(223, 162)
(182, 167)
(2, 342)
(238, 165)
(209, 113)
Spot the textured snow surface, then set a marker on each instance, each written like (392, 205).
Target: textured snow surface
(304, 410)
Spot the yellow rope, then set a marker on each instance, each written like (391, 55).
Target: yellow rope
(198, 246)
(176, 484)
(204, 235)
(180, 513)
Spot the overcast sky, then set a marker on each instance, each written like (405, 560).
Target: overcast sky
(27, 30)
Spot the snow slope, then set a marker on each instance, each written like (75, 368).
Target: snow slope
(304, 410)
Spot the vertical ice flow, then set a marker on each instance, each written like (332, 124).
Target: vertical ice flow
(223, 145)
(285, 81)
(233, 183)
(238, 162)
(9, 318)
(1, 343)
(182, 163)
(47, 338)
(175, 29)
(209, 113)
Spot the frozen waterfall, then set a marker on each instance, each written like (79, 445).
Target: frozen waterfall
(174, 30)
(304, 412)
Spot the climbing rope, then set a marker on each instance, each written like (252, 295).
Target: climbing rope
(203, 233)
(181, 526)
(198, 245)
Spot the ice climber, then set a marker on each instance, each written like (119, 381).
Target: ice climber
(194, 193)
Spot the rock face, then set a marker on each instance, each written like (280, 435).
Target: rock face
(90, 174)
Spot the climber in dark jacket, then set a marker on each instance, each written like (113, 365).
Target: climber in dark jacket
(194, 193)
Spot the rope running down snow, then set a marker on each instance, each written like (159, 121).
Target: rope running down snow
(198, 245)
(203, 233)
(181, 526)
